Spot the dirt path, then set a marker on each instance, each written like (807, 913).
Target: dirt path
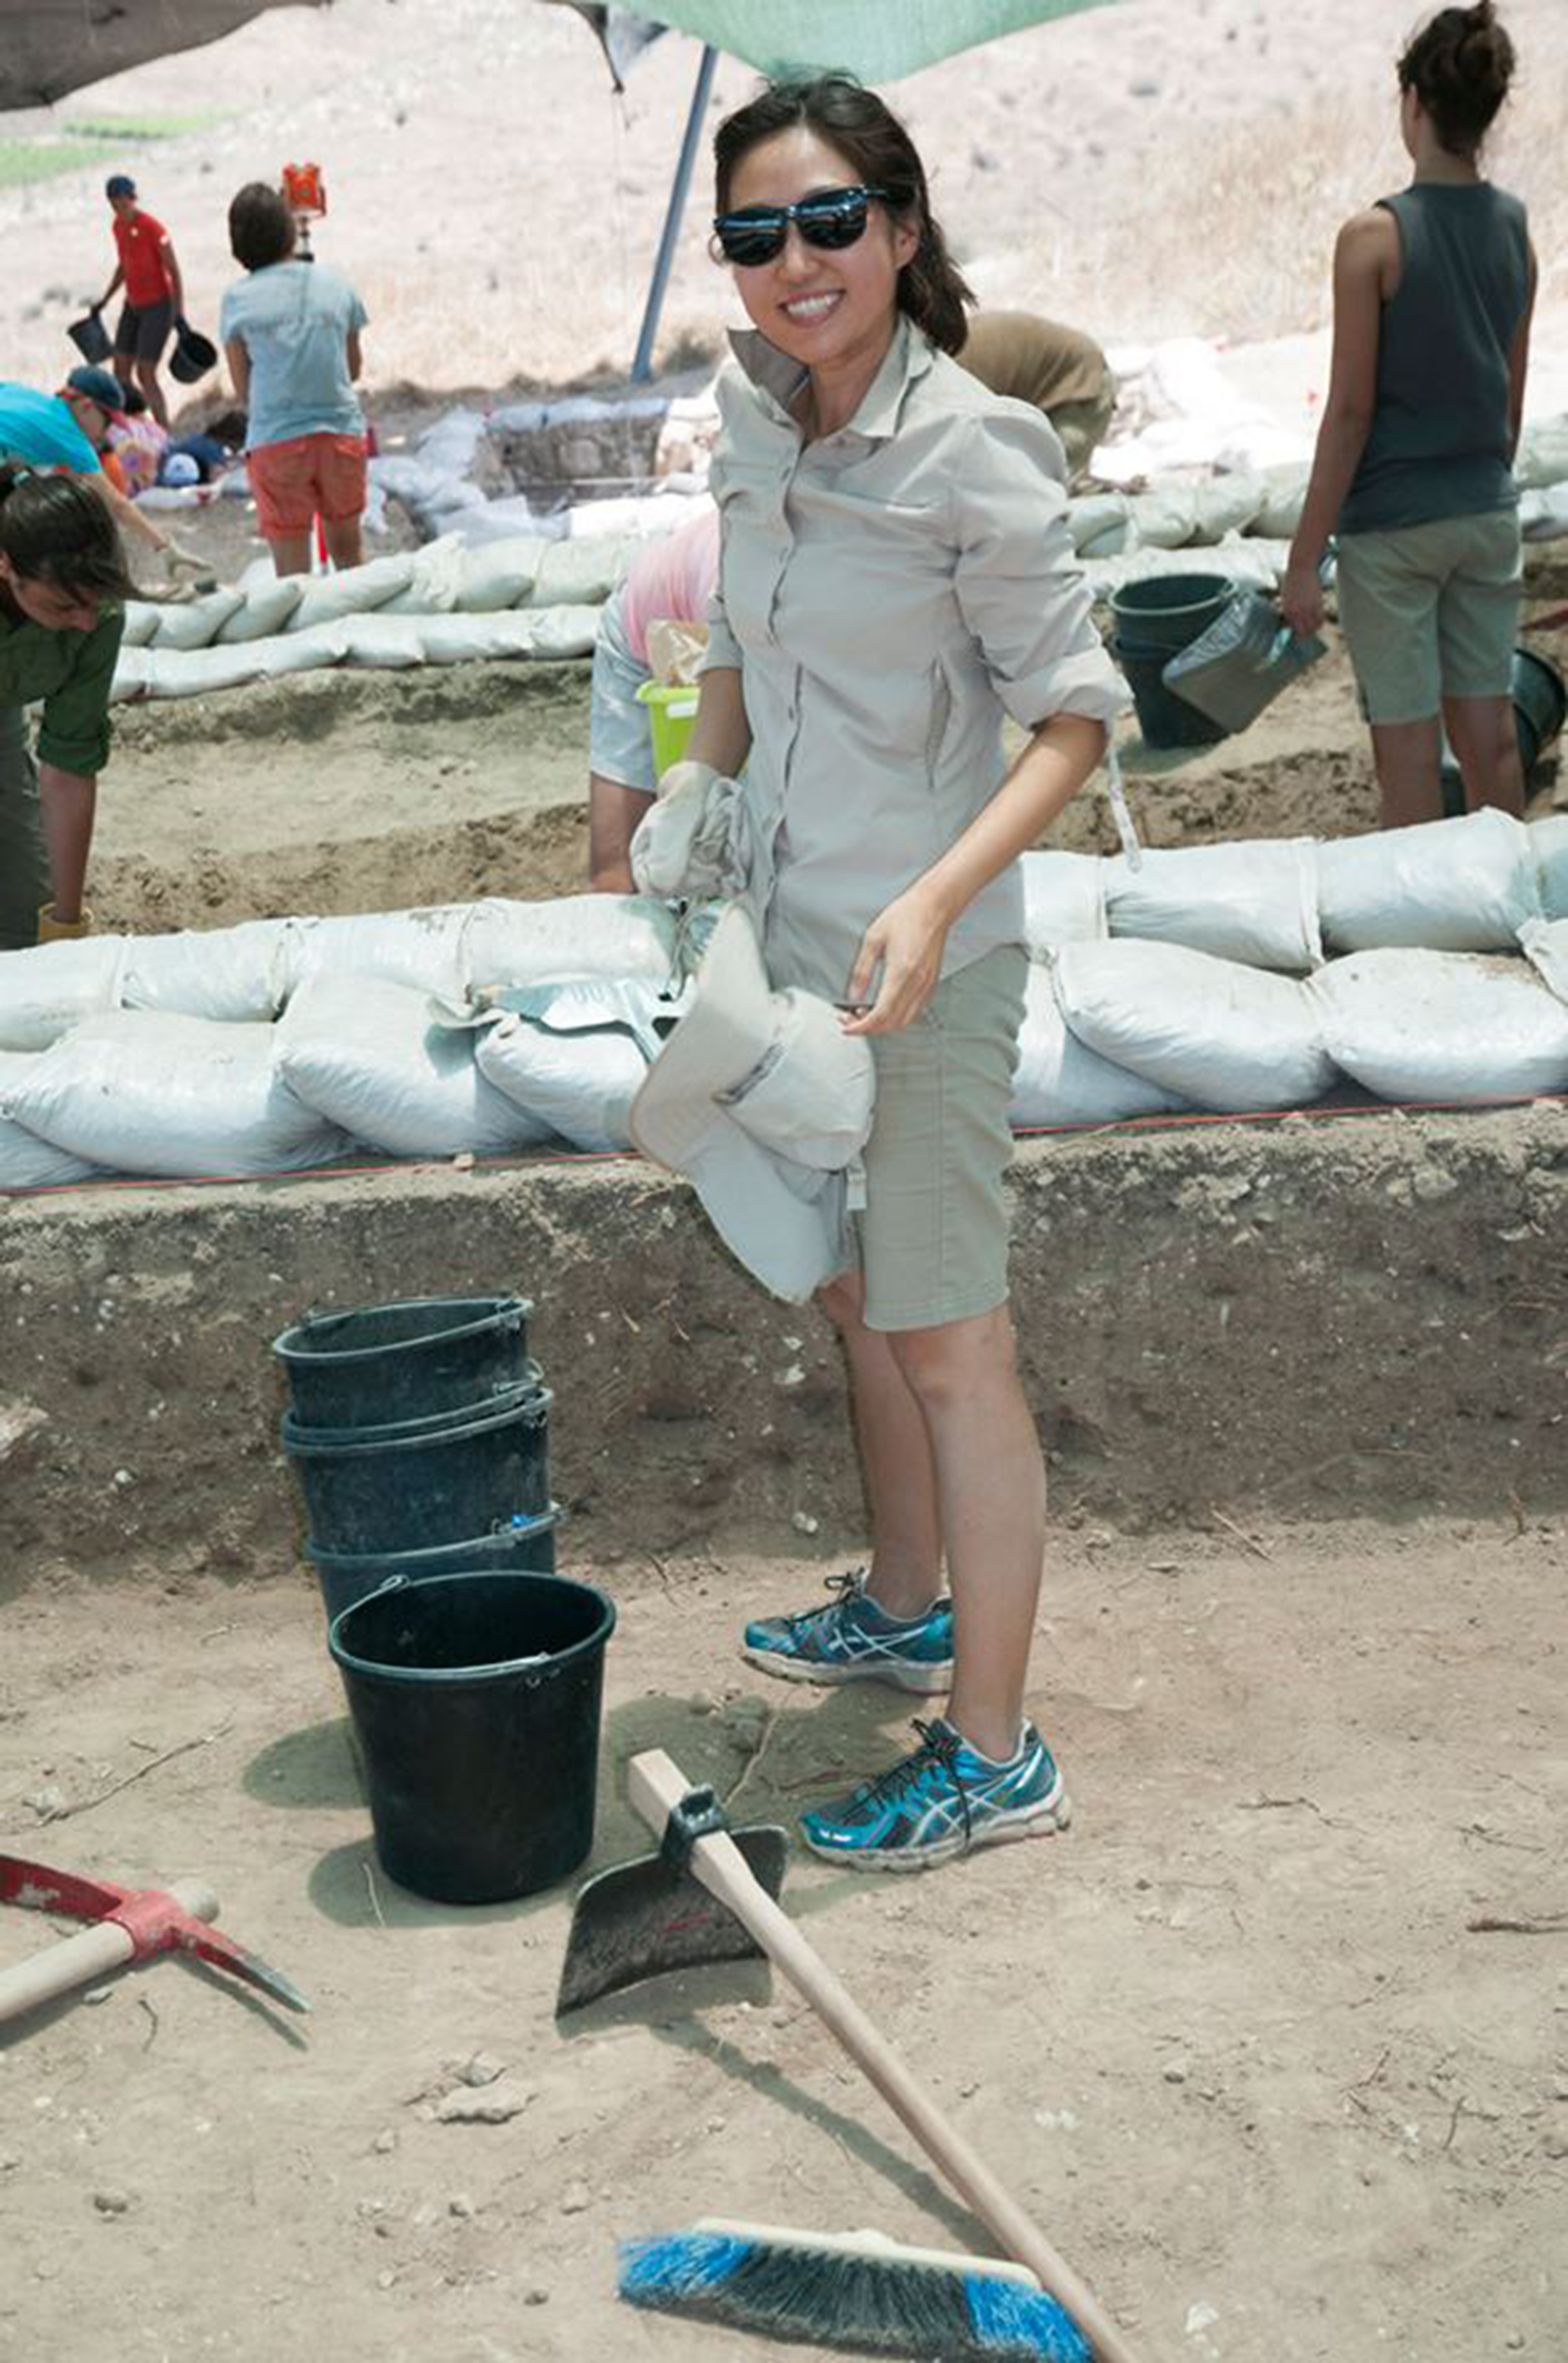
(1234, 2039)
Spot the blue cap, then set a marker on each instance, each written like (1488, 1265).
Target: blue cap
(98, 386)
(119, 184)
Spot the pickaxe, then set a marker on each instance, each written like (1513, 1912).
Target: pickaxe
(129, 1923)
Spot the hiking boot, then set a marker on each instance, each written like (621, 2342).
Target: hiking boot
(940, 1801)
(851, 1640)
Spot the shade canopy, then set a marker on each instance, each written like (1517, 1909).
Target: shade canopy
(879, 41)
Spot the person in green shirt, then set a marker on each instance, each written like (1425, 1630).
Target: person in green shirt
(63, 580)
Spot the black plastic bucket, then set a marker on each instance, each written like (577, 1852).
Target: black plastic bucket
(90, 336)
(1156, 617)
(418, 1483)
(403, 1360)
(526, 1546)
(476, 1700)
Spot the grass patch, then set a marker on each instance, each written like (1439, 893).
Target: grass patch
(87, 141)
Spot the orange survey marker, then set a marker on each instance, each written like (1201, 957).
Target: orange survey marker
(304, 191)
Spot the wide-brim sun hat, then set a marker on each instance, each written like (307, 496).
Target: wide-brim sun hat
(761, 1101)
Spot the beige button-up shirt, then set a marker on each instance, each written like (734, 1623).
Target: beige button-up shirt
(887, 593)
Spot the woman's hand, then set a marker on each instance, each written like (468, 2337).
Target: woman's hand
(906, 941)
(1301, 597)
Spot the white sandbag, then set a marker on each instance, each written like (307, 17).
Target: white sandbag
(553, 632)
(26, 1161)
(1254, 902)
(627, 936)
(144, 1092)
(579, 573)
(1064, 900)
(1542, 455)
(1464, 885)
(434, 582)
(1284, 494)
(1227, 503)
(384, 643)
(233, 974)
(425, 949)
(1549, 846)
(500, 574)
(195, 623)
(193, 672)
(140, 622)
(1421, 1026)
(1544, 943)
(286, 652)
(1060, 1079)
(46, 989)
(1098, 522)
(581, 1086)
(133, 670)
(325, 598)
(1165, 519)
(1219, 1035)
(267, 604)
(369, 1055)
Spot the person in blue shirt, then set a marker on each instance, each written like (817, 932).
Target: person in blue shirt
(63, 432)
(291, 332)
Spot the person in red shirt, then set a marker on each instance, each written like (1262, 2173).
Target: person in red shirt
(154, 298)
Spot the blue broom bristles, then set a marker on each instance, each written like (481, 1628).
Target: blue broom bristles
(870, 2300)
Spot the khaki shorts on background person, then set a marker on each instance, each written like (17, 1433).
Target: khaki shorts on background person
(933, 1238)
(308, 476)
(1431, 611)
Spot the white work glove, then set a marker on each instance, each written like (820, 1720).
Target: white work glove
(681, 844)
(179, 561)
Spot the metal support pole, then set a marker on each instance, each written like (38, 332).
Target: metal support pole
(642, 367)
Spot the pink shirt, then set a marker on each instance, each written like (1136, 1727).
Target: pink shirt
(671, 580)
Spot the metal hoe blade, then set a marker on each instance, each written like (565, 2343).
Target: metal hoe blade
(643, 1920)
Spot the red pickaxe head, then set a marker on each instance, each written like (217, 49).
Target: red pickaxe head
(129, 1923)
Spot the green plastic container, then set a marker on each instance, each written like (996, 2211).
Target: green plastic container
(671, 710)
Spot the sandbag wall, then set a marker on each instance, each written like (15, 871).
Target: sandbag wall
(1429, 963)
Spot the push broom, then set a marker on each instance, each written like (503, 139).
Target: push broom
(858, 2291)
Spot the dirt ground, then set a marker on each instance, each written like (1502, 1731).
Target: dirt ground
(1274, 2043)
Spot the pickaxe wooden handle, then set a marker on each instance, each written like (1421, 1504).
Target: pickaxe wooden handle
(91, 1954)
(656, 1787)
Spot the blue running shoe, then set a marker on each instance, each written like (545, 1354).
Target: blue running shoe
(851, 1640)
(940, 1802)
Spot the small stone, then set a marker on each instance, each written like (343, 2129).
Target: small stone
(10, 2159)
(97, 1993)
(493, 2106)
(1514, 2341)
(460, 2203)
(575, 2198)
(386, 2281)
(536, 2295)
(482, 2069)
(123, 1478)
(1175, 2072)
(110, 2202)
(804, 1524)
(384, 2144)
(46, 1803)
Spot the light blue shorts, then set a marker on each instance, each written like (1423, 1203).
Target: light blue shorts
(620, 745)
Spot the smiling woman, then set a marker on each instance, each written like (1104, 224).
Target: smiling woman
(62, 577)
(895, 576)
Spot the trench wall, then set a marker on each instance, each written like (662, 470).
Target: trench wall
(1309, 1319)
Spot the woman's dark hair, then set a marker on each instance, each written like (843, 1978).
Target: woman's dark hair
(261, 227)
(55, 529)
(1460, 67)
(880, 154)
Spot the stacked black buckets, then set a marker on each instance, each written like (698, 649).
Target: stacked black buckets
(419, 1434)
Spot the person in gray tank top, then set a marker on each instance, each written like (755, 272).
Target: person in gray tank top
(1412, 474)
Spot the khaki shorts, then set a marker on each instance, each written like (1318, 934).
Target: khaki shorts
(1431, 611)
(933, 1238)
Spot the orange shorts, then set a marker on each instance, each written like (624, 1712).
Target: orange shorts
(307, 477)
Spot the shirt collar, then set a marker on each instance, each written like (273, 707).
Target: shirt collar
(779, 379)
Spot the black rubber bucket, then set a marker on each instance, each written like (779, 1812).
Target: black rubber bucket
(476, 1700)
(527, 1546)
(90, 336)
(1541, 707)
(1156, 617)
(418, 1483)
(403, 1360)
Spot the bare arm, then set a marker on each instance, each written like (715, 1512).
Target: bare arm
(239, 361)
(356, 353)
(721, 735)
(1518, 364)
(66, 805)
(1366, 265)
(906, 941)
(176, 285)
(126, 514)
(107, 295)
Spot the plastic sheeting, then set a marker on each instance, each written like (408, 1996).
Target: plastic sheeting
(867, 37)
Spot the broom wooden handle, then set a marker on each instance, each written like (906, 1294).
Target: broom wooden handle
(656, 1786)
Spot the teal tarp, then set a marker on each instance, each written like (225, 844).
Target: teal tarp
(877, 40)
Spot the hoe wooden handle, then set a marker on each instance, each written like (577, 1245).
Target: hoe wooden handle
(656, 1786)
(91, 1953)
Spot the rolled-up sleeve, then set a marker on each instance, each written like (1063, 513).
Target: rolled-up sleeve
(723, 649)
(75, 732)
(1019, 586)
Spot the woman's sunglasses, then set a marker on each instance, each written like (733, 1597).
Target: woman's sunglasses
(829, 217)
